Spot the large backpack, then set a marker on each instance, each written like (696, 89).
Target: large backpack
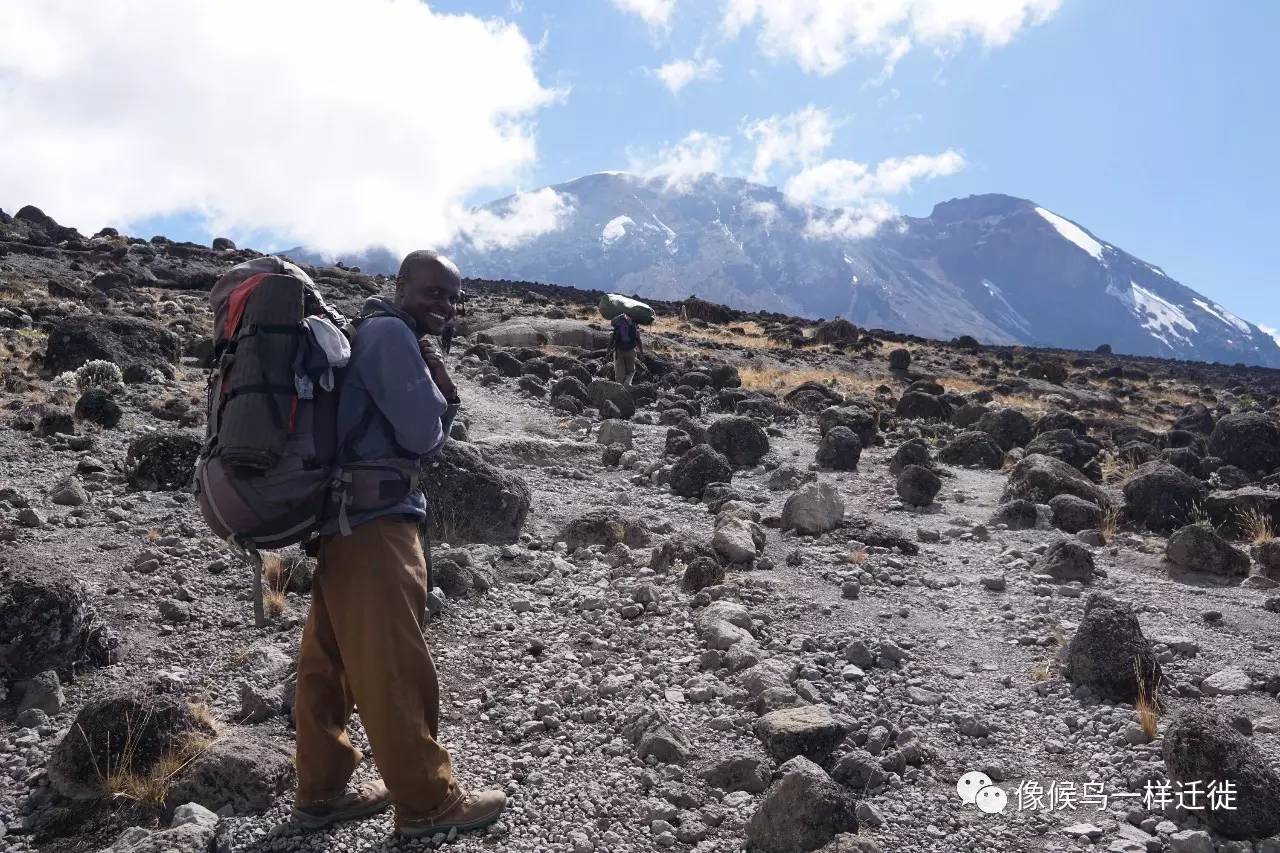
(263, 478)
(627, 335)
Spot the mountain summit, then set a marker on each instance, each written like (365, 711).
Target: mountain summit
(999, 268)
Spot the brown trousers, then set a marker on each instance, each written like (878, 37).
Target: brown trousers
(363, 646)
(624, 366)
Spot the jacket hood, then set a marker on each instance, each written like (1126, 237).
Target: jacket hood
(378, 305)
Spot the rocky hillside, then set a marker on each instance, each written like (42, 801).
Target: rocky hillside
(1000, 269)
(803, 587)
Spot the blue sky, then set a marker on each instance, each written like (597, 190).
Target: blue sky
(1153, 124)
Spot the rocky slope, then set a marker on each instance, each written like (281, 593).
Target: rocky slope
(1000, 269)
(788, 593)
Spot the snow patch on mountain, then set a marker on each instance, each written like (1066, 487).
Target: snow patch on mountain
(615, 229)
(1007, 312)
(1160, 316)
(1224, 315)
(1072, 232)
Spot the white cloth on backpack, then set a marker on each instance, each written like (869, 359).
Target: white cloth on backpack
(325, 348)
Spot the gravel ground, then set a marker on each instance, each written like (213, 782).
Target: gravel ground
(941, 652)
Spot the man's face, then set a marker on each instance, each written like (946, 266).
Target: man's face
(430, 291)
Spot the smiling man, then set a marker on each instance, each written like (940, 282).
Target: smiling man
(363, 644)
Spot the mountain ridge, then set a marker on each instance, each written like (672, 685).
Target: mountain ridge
(997, 267)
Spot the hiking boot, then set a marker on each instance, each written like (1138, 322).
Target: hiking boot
(474, 810)
(367, 799)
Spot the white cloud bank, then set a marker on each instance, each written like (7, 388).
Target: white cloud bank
(337, 124)
(681, 162)
(823, 35)
(845, 199)
(788, 140)
(655, 13)
(680, 73)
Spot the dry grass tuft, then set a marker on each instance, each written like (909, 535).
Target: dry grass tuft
(856, 558)
(150, 788)
(749, 335)
(779, 380)
(1111, 521)
(1148, 703)
(1256, 526)
(1116, 469)
(275, 580)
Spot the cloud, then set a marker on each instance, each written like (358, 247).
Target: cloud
(788, 140)
(823, 35)
(337, 125)
(655, 13)
(525, 216)
(680, 73)
(859, 194)
(852, 223)
(696, 154)
(842, 183)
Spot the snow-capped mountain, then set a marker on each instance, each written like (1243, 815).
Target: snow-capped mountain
(1001, 269)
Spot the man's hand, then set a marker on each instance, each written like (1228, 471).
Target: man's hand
(440, 375)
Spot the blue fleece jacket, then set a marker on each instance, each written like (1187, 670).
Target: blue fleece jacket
(386, 373)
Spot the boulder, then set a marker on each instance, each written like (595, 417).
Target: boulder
(1268, 556)
(917, 405)
(913, 452)
(724, 624)
(46, 621)
(1199, 548)
(809, 730)
(615, 432)
(698, 468)
(652, 734)
(1196, 418)
(973, 449)
(162, 461)
(604, 527)
(837, 331)
(918, 486)
(1162, 497)
(241, 769)
(815, 509)
(98, 405)
(1200, 746)
(863, 422)
(739, 439)
(1017, 515)
(1109, 654)
(192, 830)
(1009, 428)
(1248, 440)
(604, 391)
(1065, 445)
(899, 359)
(739, 773)
(1231, 509)
(128, 731)
(802, 811)
(1066, 561)
(125, 341)
(1058, 419)
(1040, 479)
(700, 573)
(839, 450)
(470, 500)
(738, 540)
(1073, 514)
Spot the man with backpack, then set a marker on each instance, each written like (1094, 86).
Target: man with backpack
(624, 343)
(363, 643)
